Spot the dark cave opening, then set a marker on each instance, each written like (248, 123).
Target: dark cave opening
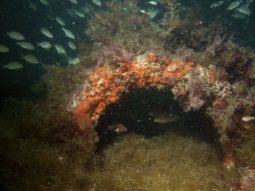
(135, 112)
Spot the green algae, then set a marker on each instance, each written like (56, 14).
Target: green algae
(167, 162)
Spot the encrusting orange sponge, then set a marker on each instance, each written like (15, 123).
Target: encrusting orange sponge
(109, 82)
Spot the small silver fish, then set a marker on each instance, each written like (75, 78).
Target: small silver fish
(74, 1)
(44, 2)
(13, 65)
(216, 4)
(152, 13)
(79, 13)
(4, 49)
(163, 118)
(32, 6)
(238, 15)
(16, 35)
(142, 11)
(71, 45)
(244, 10)
(45, 45)
(248, 118)
(60, 21)
(97, 2)
(26, 45)
(234, 5)
(74, 61)
(68, 33)
(31, 59)
(60, 49)
(46, 32)
(152, 2)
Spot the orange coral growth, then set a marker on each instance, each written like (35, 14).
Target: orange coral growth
(106, 90)
(109, 82)
(82, 116)
(176, 69)
(113, 98)
(100, 108)
(81, 111)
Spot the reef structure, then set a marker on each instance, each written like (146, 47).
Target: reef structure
(193, 85)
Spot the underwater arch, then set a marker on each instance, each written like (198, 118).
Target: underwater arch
(194, 86)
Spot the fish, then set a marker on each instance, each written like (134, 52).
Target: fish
(60, 21)
(16, 35)
(74, 1)
(71, 45)
(74, 61)
(4, 49)
(14, 65)
(44, 2)
(152, 2)
(70, 12)
(31, 59)
(88, 10)
(152, 13)
(244, 10)
(26, 45)
(46, 32)
(216, 4)
(248, 118)
(97, 2)
(238, 15)
(118, 128)
(234, 5)
(142, 11)
(32, 6)
(79, 13)
(45, 45)
(68, 33)
(60, 49)
(163, 117)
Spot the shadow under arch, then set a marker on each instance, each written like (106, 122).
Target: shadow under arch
(134, 112)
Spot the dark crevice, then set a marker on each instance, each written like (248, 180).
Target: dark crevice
(135, 109)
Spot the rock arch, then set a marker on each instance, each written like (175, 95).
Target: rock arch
(193, 85)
